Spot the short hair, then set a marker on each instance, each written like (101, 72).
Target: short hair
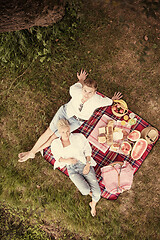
(62, 123)
(90, 83)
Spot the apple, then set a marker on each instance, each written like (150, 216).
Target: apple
(121, 110)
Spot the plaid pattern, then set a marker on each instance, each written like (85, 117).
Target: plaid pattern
(103, 159)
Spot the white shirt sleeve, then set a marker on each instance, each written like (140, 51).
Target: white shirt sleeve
(55, 149)
(104, 101)
(75, 89)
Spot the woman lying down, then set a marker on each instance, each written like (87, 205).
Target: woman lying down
(73, 151)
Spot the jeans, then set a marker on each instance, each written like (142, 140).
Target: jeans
(61, 113)
(86, 183)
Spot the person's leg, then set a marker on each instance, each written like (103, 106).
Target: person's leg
(93, 208)
(61, 113)
(24, 156)
(78, 179)
(95, 189)
(94, 186)
(46, 138)
(74, 124)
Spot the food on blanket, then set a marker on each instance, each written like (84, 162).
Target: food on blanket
(102, 130)
(102, 138)
(132, 121)
(114, 108)
(122, 103)
(134, 135)
(109, 132)
(123, 123)
(114, 147)
(132, 115)
(125, 134)
(125, 117)
(117, 129)
(126, 148)
(117, 135)
(119, 108)
(139, 148)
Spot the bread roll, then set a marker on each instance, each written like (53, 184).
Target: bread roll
(102, 138)
(102, 130)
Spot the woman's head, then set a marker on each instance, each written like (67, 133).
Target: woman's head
(63, 128)
(89, 88)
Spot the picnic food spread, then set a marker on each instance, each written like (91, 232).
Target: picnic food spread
(118, 140)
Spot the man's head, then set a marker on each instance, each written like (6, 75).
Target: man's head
(89, 88)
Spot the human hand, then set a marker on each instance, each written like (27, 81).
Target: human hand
(82, 76)
(73, 160)
(24, 156)
(117, 96)
(86, 169)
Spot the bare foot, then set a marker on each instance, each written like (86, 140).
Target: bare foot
(24, 156)
(93, 209)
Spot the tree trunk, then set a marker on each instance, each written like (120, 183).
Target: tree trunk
(23, 14)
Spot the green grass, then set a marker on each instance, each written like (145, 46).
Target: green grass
(109, 44)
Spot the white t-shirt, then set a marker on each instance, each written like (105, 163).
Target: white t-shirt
(96, 101)
(78, 149)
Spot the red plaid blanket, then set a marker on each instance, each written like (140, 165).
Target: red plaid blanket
(105, 158)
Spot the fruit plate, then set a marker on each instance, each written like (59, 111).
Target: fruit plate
(119, 108)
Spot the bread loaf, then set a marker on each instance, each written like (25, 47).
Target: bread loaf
(109, 132)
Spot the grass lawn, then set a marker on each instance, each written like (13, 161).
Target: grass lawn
(120, 48)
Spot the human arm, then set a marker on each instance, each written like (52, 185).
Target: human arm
(59, 155)
(24, 156)
(86, 169)
(87, 150)
(82, 76)
(117, 96)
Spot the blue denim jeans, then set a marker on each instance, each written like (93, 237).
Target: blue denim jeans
(86, 183)
(61, 113)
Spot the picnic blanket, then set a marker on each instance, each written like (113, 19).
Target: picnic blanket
(105, 158)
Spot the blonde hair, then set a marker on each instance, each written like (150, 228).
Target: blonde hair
(62, 123)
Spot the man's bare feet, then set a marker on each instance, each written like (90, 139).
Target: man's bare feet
(93, 209)
(24, 156)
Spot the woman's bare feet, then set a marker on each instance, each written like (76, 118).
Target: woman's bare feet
(24, 156)
(93, 208)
